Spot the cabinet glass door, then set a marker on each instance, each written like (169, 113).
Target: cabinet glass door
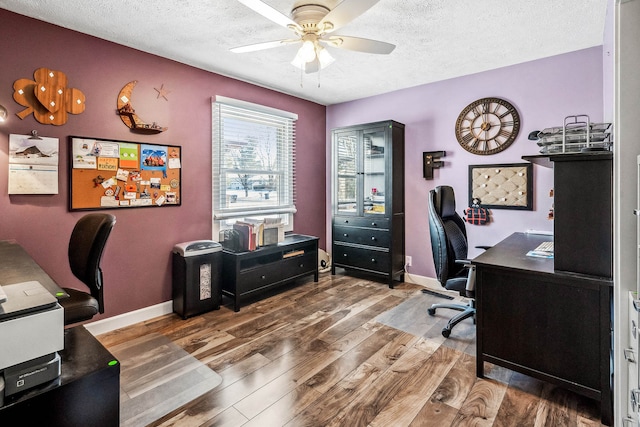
(374, 171)
(346, 161)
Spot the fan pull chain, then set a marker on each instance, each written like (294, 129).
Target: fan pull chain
(301, 78)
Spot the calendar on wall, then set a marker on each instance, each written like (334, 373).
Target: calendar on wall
(33, 164)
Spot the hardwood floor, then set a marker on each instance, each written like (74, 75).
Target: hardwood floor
(314, 355)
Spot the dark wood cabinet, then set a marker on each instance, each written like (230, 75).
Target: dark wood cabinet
(583, 211)
(583, 214)
(368, 199)
(245, 274)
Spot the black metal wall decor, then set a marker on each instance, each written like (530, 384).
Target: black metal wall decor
(430, 161)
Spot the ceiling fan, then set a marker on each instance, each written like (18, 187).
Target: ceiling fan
(313, 25)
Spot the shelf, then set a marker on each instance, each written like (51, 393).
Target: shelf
(547, 160)
(539, 159)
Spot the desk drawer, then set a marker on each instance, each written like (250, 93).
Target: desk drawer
(367, 259)
(361, 222)
(361, 236)
(304, 264)
(257, 278)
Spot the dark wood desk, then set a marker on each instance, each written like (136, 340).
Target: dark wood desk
(87, 393)
(554, 326)
(16, 266)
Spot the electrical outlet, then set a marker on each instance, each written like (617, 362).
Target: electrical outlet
(407, 261)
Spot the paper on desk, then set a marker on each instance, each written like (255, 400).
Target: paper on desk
(540, 254)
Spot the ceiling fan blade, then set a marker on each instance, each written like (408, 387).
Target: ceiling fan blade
(344, 13)
(262, 46)
(359, 44)
(270, 13)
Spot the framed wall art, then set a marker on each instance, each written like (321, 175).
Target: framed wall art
(502, 186)
(111, 174)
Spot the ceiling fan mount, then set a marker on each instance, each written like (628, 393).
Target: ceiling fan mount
(308, 16)
(312, 23)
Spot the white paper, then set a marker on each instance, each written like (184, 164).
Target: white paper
(108, 201)
(82, 154)
(174, 163)
(33, 165)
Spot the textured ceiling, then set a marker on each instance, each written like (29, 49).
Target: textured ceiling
(435, 39)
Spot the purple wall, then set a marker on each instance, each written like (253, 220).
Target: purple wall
(136, 262)
(543, 91)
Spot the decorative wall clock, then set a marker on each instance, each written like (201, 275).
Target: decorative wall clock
(128, 114)
(487, 126)
(48, 97)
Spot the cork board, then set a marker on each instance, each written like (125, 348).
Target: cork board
(111, 174)
(502, 186)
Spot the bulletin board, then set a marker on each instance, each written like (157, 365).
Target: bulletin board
(111, 174)
(502, 186)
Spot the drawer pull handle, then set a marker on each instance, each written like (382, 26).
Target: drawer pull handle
(634, 328)
(301, 265)
(345, 235)
(344, 255)
(630, 355)
(373, 224)
(263, 277)
(373, 260)
(346, 221)
(373, 238)
(635, 399)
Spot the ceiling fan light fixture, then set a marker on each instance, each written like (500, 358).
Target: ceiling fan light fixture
(324, 57)
(299, 61)
(307, 52)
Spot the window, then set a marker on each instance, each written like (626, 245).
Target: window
(252, 156)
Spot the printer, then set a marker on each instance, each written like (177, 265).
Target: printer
(31, 334)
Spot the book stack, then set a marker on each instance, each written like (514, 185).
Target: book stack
(255, 233)
(247, 235)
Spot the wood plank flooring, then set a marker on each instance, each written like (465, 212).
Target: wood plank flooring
(314, 355)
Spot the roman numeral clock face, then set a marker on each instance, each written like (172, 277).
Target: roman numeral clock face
(487, 126)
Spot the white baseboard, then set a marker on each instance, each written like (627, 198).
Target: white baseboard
(126, 319)
(428, 282)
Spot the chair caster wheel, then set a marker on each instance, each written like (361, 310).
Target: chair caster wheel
(431, 311)
(446, 332)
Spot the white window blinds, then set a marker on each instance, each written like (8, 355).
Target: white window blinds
(253, 157)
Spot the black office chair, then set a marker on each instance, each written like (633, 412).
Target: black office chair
(449, 246)
(86, 245)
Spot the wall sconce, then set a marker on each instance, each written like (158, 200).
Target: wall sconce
(3, 114)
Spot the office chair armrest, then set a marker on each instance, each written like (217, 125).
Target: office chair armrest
(471, 275)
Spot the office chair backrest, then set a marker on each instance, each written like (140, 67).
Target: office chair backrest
(86, 245)
(448, 233)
